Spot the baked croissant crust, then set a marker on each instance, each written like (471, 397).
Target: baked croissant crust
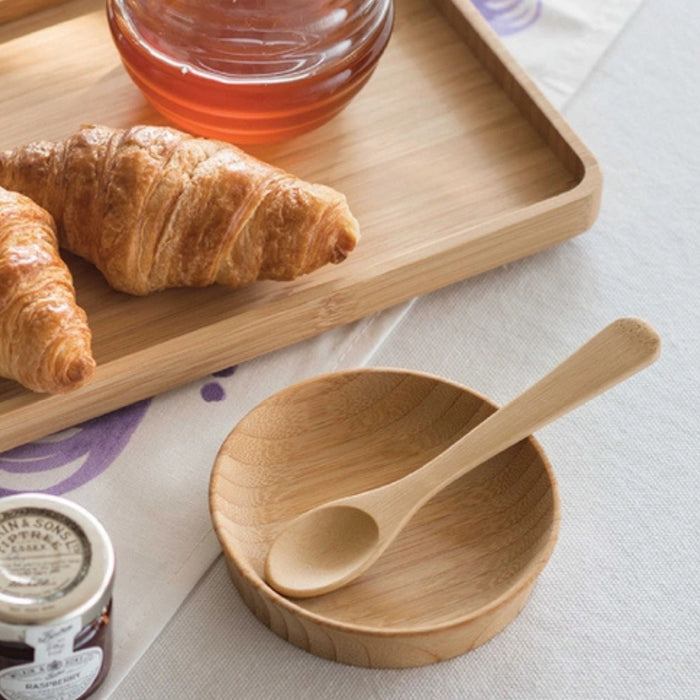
(153, 207)
(44, 336)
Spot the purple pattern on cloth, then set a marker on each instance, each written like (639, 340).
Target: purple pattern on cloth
(97, 442)
(509, 16)
(213, 391)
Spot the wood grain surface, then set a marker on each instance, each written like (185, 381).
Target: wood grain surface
(14, 9)
(451, 160)
(457, 574)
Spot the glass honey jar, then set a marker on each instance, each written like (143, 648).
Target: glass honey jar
(250, 71)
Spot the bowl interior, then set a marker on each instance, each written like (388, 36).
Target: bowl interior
(485, 536)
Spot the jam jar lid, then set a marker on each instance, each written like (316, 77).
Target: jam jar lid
(56, 564)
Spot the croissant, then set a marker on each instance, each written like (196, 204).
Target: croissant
(44, 336)
(152, 207)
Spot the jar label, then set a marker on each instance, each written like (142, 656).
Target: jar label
(43, 555)
(57, 672)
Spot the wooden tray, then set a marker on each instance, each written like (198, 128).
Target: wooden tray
(451, 159)
(14, 9)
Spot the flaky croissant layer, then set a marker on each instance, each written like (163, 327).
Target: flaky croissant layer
(153, 207)
(44, 336)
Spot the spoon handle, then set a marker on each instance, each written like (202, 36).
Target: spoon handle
(624, 347)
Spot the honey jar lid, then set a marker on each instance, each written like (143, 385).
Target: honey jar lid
(56, 564)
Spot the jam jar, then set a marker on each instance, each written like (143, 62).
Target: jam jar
(250, 71)
(56, 577)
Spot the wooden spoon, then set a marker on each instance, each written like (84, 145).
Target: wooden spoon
(332, 544)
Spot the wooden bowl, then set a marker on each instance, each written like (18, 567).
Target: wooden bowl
(461, 570)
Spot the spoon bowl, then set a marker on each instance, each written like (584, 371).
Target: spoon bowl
(323, 538)
(460, 570)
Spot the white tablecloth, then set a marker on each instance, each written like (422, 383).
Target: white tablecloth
(616, 612)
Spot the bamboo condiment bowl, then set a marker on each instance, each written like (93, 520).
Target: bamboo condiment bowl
(460, 571)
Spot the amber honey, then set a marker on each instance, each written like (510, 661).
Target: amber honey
(250, 71)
